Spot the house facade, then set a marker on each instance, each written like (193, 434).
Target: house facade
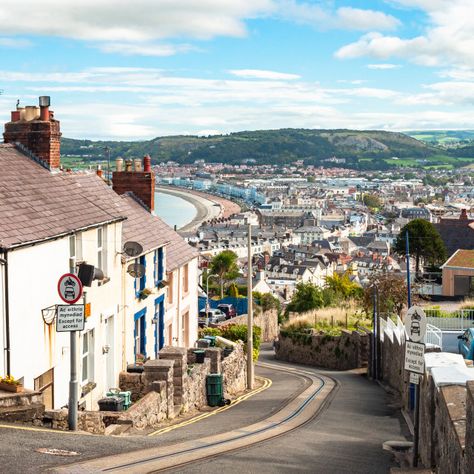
(53, 220)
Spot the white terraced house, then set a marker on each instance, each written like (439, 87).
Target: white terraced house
(48, 216)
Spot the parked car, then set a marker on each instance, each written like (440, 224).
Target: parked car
(466, 344)
(228, 310)
(213, 316)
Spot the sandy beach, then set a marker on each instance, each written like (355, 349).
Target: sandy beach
(208, 207)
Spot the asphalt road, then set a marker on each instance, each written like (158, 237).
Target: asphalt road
(347, 437)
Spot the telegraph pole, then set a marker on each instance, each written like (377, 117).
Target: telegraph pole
(249, 311)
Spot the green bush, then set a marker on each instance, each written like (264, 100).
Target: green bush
(238, 332)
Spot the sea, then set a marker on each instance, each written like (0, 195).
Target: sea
(174, 210)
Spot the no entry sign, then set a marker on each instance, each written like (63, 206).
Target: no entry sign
(69, 288)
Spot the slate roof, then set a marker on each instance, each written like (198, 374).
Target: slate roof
(456, 235)
(152, 232)
(462, 258)
(37, 205)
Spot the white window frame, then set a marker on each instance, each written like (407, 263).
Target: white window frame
(87, 357)
(102, 249)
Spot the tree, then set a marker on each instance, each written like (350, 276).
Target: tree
(424, 240)
(342, 286)
(391, 291)
(224, 265)
(372, 201)
(306, 297)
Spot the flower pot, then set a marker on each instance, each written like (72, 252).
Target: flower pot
(9, 387)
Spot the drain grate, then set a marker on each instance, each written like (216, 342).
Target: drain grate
(57, 452)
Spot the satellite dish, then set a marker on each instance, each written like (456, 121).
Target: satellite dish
(136, 270)
(132, 249)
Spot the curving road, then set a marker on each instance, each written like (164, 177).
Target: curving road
(307, 421)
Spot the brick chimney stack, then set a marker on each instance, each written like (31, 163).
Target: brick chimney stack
(36, 129)
(140, 181)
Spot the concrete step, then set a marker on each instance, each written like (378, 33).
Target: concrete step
(25, 413)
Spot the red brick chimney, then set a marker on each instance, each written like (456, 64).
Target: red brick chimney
(140, 181)
(36, 129)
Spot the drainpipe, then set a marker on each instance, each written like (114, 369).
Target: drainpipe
(6, 349)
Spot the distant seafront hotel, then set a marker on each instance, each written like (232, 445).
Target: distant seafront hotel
(47, 217)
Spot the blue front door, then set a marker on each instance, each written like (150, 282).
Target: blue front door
(160, 324)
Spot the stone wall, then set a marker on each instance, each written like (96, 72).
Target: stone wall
(149, 411)
(348, 351)
(195, 385)
(234, 371)
(446, 442)
(267, 321)
(170, 385)
(134, 383)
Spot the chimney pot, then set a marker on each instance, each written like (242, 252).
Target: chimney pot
(15, 115)
(138, 164)
(119, 164)
(147, 163)
(128, 165)
(44, 101)
(99, 171)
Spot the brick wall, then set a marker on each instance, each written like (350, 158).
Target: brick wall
(140, 183)
(42, 138)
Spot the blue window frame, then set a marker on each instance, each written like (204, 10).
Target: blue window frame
(139, 332)
(140, 283)
(159, 267)
(160, 324)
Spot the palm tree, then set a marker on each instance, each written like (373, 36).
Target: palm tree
(224, 265)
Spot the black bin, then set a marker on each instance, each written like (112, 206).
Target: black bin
(111, 404)
(200, 355)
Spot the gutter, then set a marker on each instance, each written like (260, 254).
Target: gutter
(6, 310)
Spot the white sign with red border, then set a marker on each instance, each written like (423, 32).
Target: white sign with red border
(69, 288)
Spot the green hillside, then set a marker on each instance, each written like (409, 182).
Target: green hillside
(360, 149)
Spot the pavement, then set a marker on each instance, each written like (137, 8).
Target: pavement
(346, 436)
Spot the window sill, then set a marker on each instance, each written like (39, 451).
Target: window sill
(87, 388)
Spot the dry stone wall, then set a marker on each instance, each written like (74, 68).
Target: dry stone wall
(348, 351)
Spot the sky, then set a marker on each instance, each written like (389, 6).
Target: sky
(132, 70)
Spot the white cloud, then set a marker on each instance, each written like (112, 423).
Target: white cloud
(448, 38)
(346, 18)
(145, 49)
(15, 43)
(140, 20)
(261, 74)
(383, 66)
(136, 103)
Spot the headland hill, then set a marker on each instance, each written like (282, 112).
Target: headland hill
(353, 149)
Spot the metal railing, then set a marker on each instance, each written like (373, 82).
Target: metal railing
(457, 320)
(433, 336)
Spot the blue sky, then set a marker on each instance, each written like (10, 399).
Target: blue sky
(132, 70)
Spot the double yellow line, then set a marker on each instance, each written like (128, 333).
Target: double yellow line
(267, 383)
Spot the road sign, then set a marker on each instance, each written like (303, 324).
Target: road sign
(415, 357)
(70, 318)
(414, 378)
(69, 288)
(415, 324)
